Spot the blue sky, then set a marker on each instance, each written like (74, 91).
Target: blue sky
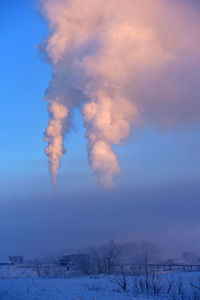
(24, 77)
(150, 159)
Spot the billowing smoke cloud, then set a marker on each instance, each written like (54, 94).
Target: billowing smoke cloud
(127, 62)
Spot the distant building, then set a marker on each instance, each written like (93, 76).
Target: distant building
(74, 261)
(17, 259)
(191, 257)
(6, 263)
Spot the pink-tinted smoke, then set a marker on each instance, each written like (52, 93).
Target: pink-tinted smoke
(129, 61)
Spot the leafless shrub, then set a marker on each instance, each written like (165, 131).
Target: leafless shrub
(121, 280)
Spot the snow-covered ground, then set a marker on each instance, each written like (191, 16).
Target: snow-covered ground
(59, 289)
(13, 271)
(103, 288)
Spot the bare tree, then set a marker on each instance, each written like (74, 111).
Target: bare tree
(105, 259)
(111, 257)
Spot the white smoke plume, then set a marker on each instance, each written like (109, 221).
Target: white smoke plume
(54, 137)
(127, 61)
